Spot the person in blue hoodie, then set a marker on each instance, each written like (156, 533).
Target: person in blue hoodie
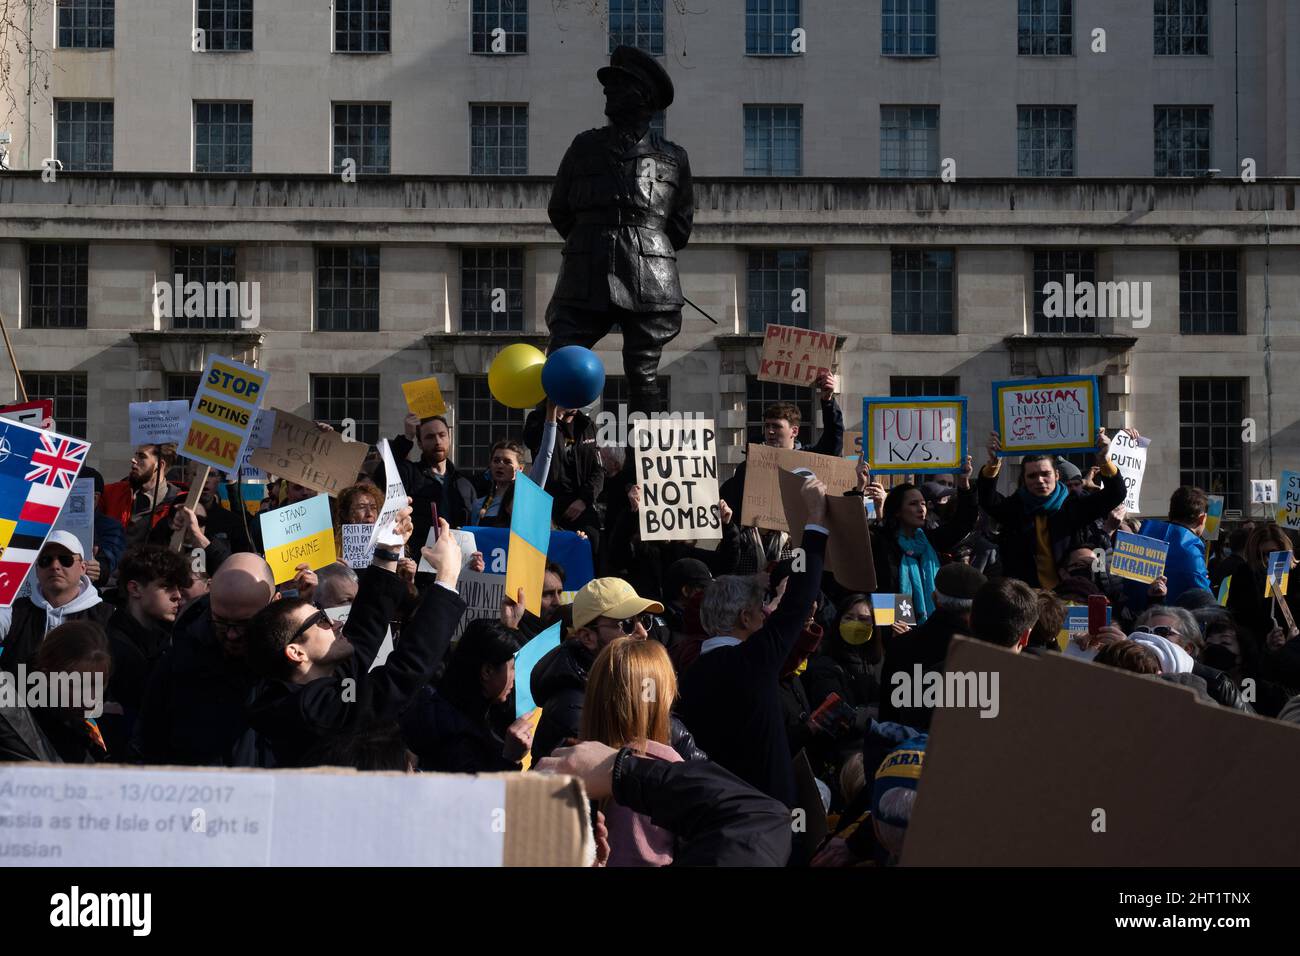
(1185, 566)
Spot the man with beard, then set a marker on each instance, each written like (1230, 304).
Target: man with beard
(434, 479)
(144, 498)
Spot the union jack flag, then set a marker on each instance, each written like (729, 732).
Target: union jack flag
(57, 460)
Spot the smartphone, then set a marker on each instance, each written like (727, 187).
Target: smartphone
(1097, 607)
(433, 509)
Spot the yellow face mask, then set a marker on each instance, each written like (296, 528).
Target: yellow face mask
(856, 633)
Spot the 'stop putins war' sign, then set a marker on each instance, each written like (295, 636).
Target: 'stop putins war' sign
(795, 356)
(1047, 415)
(223, 412)
(915, 435)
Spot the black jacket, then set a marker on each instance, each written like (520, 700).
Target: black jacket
(926, 645)
(194, 709)
(297, 718)
(1017, 537)
(27, 630)
(448, 739)
(21, 737)
(576, 473)
(888, 555)
(135, 650)
(452, 493)
(1222, 688)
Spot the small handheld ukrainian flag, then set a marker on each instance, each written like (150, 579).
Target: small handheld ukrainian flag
(530, 536)
(888, 608)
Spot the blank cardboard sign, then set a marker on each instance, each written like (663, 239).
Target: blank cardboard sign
(1182, 783)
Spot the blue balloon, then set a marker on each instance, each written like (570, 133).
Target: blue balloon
(573, 377)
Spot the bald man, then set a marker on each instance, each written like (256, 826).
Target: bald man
(194, 711)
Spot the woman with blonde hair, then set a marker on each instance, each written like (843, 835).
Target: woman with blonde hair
(629, 703)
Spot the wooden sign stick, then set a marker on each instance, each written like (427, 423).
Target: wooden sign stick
(191, 499)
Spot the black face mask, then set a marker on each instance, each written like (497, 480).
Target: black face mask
(1218, 657)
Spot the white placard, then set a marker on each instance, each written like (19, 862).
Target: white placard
(677, 469)
(78, 515)
(157, 423)
(1130, 457)
(358, 552)
(259, 437)
(467, 548)
(1263, 492)
(394, 501)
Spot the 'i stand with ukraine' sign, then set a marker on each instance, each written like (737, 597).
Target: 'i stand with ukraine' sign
(223, 413)
(1138, 558)
(297, 534)
(530, 536)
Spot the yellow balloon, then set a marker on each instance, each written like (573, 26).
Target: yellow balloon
(515, 378)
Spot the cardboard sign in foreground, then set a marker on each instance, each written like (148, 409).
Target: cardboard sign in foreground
(848, 549)
(762, 507)
(1071, 738)
(277, 817)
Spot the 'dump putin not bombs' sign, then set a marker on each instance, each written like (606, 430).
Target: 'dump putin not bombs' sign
(677, 469)
(223, 412)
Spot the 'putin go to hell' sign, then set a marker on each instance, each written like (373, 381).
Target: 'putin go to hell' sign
(223, 412)
(914, 435)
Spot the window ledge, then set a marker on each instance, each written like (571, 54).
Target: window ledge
(538, 339)
(1071, 338)
(740, 340)
(243, 337)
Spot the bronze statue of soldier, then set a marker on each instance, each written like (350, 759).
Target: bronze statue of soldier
(624, 204)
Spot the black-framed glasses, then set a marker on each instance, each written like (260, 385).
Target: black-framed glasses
(320, 617)
(628, 624)
(45, 560)
(1160, 630)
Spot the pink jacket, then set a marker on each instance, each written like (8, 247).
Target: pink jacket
(633, 839)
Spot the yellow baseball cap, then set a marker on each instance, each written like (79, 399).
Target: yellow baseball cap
(609, 597)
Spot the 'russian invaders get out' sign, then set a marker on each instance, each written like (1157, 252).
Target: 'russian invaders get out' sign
(1047, 415)
(915, 435)
(677, 469)
(223, 412)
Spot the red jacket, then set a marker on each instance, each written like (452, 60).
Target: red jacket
(118, 499)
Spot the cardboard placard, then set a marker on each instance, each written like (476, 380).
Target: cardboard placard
(1130, 457)
(1138, 558)
(357, 550)
(29, 413)
(762, 507)
(394, 501)
(298, 533)
(526, 659)
(915, 435)
(848, 549)
(424, 398)
(1288, 514)
(1213, 517)
(222, 414)
(1157, 744)
(677, 469)
(157, 423)
(315, 459)
(1047, 415)
(1263, 491)
(795, 356)
(853, 445)
(276, 817)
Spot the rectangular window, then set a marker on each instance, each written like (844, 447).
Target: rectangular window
(773, 140)
(922, 291)
(57, 284)
(492, 289)
(85, 24)
(67, 390)
(1210, 411)
(336, 397)
(1046, 28)
(362, 26)
(214, 268)
(1209, 292)
(1045, 141)
(1182, 27)
(617, 393)
(638, 23)
(909, 141)
(909, 28)
(481, 421)
(1183, 138)
(227, 25)
(923, 386)
(362, 133)
(778, 281)
(770, 26)
(498, 140)
(83, 135)
(180, 386)
(1057, 265)
(508, 16)
(347, 289)
(223, 137)
(759, 396)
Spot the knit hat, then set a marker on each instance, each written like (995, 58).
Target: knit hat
(1068, 470)
(936, 492)
(901, 769)
(957, 583)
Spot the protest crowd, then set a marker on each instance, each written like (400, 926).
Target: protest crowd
(703, 688)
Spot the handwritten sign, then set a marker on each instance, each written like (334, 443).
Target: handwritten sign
(482, 593)
(1263, 492)
(357, 551)
(298, 533)
(424, 398)
(1047, 415)
(1138, 558)
(259, 437)
(29, 413)
(394, 501)
(315, 459)
(222, 414)
(1288, 516)
(853, 445)
(915, 435)
(762, 506)
(795, 356)
(1213, 517)
(1130, 457)
(677, 468)
(157, 423)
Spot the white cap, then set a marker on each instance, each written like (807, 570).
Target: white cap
(65, 539)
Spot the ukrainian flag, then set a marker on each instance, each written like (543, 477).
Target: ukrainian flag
(530, 536)
(882, 608)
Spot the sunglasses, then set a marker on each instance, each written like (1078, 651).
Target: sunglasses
(222, 624)
(628, 625)
(319, 618)
(45, 560)
(1160, 630)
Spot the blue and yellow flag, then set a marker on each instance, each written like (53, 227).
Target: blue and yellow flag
(530, 536)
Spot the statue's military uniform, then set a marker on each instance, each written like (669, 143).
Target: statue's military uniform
(624, 208)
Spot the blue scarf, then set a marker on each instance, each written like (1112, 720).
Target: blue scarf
(916, 572)
(1051, 504)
